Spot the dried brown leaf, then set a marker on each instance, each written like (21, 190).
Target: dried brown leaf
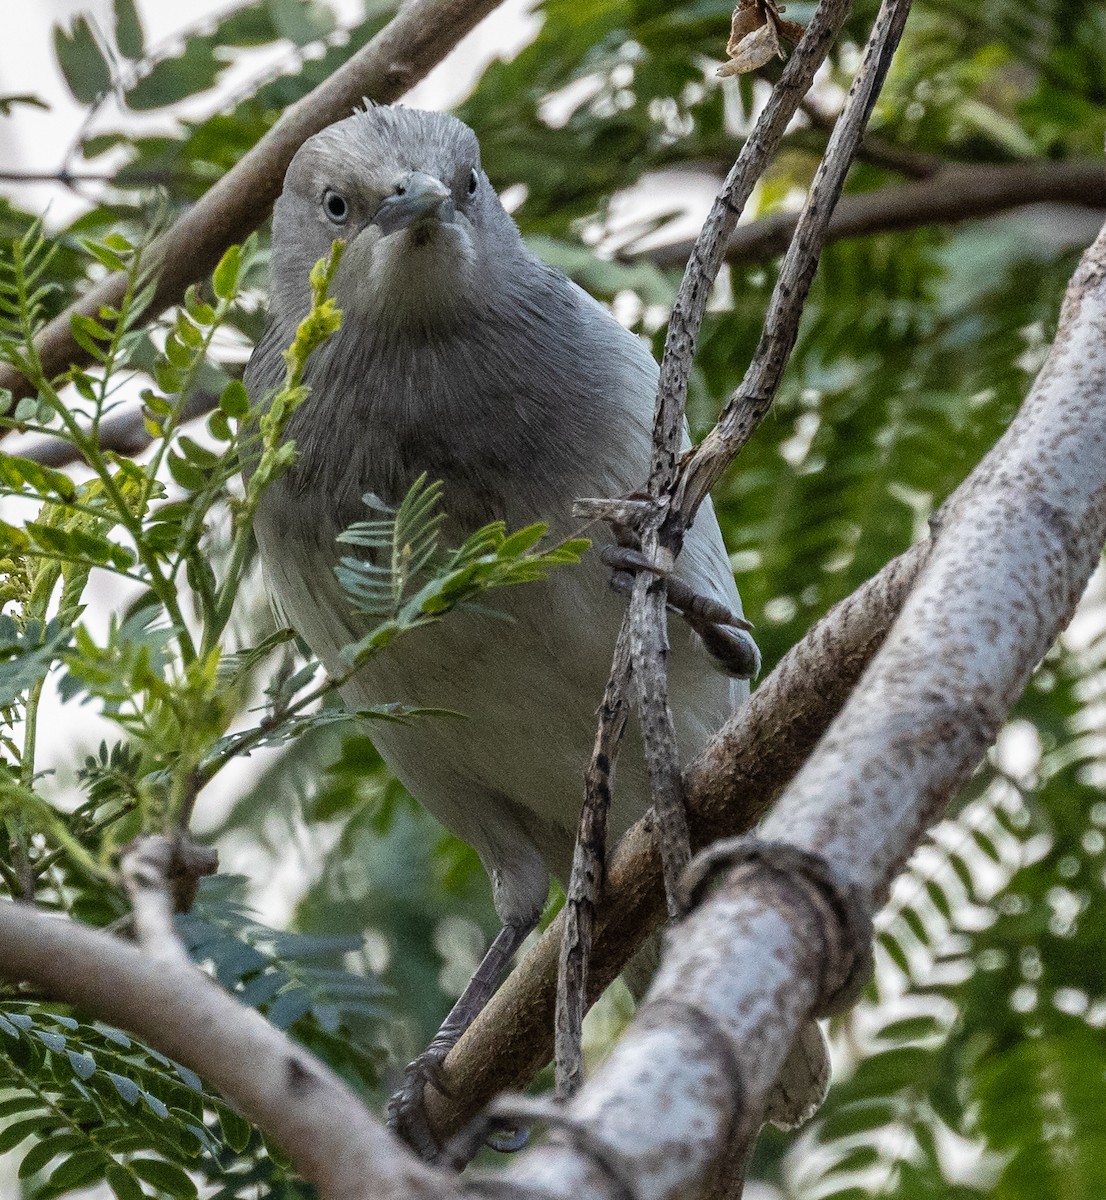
(754, 50)
(746, 17)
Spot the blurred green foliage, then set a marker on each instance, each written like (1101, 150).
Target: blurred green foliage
(976, 1066)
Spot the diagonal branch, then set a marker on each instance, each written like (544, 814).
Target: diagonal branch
(301, 1104)
(329, 1135)
(420, 35)
(749, 404)
(729, 788)
(643, 630)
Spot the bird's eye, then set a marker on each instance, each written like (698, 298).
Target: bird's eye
(474, 182)
(335, 207)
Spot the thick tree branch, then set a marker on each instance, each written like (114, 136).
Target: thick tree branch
(781, 927)
(954, 194)
(1013, 551)
(300, 1103)
(729, 788)
(420, 36)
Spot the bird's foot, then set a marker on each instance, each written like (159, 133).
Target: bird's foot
(725, 635)
(406, 1112)
(408, 1120)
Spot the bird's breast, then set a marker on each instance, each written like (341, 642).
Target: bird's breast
(514, 424)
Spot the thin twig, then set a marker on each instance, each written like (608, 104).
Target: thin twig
(586, 881)
(745, 409)
(660, 538)
(644, 626)
(661, 533)
(710, 247)
(121, 179)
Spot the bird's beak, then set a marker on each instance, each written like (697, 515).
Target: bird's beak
(417, 196)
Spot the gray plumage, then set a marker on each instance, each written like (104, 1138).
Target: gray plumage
(463, 356)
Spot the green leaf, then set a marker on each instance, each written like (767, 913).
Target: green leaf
(42, 1152)
(127, 1088)
(90, 335)
(128, 29)
(174, 79)
(187, 474)
(301, 21)
(122, 1183)
(51, 1040)
(104, 255)
(7, 103)
(16, 1104)
(164, 1175)
(235, 400)
(224, 279)
(236, 1129)
(13, 1134)
(199, 310)
(84, 1167)
(79, 544)
(81, 60)
(83, 1064)
(195, 453)
(44, 481)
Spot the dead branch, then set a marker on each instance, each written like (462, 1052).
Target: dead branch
(644, 627)
(693, 480)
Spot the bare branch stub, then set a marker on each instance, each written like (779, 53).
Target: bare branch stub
(161, 876)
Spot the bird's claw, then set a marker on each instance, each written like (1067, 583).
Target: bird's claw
(724, 634)
(508, 1137)
(406, 1112)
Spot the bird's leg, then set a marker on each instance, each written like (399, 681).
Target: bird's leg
(407, 1110)
(723, 633)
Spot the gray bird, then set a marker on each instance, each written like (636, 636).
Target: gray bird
(463, 356)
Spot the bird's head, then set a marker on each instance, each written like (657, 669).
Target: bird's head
(425, 233)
